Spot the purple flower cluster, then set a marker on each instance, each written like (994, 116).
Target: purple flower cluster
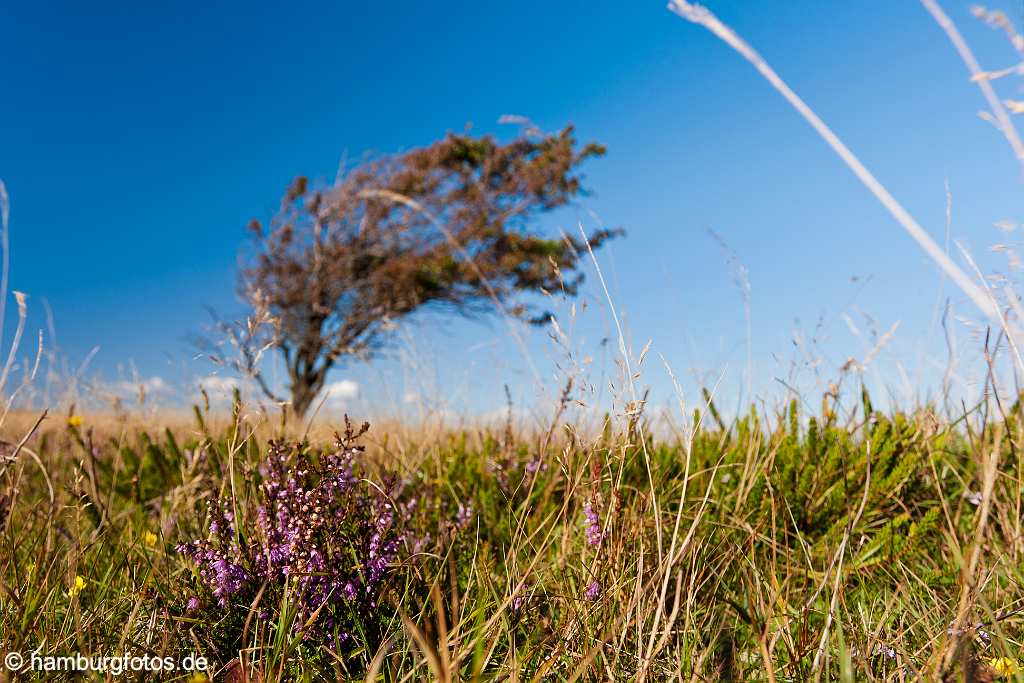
(520, 597)
(322, 536)
(219, 559)
(594, 532)
(463, 516)
(516, 471)
(595, 536)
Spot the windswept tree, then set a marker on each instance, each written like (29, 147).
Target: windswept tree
(449, 225)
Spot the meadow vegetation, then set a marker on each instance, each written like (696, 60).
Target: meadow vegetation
(774, 547)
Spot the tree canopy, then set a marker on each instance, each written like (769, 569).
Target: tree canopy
(449, 225)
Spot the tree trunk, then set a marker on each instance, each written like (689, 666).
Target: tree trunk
(304, 392)
(307, 377)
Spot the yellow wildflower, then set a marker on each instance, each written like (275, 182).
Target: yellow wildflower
(198, 678)
(75, 421)
(77, 587)
(150, 539)
(1004, 666)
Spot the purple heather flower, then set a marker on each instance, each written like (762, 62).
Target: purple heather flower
(593, 591)
(500, 471)
(464, 516)
(224, 577)
(319, 536)
(421, 543)
(594, 533)
(520, 597)
(885, 651)
(193, 604)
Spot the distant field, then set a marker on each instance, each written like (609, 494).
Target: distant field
(774, 548)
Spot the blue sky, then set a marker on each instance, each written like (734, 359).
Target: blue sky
(137, 140)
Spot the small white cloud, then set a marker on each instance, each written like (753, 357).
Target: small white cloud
(150, 386)
(155, 385)
(341, 390)
(219, 386)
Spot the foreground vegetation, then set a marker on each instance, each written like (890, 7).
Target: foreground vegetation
(777, 547)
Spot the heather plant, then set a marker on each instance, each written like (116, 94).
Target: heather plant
(315, 551)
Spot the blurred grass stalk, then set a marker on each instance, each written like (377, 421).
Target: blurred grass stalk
(981, 297)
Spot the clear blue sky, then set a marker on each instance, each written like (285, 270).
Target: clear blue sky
(137, 140)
